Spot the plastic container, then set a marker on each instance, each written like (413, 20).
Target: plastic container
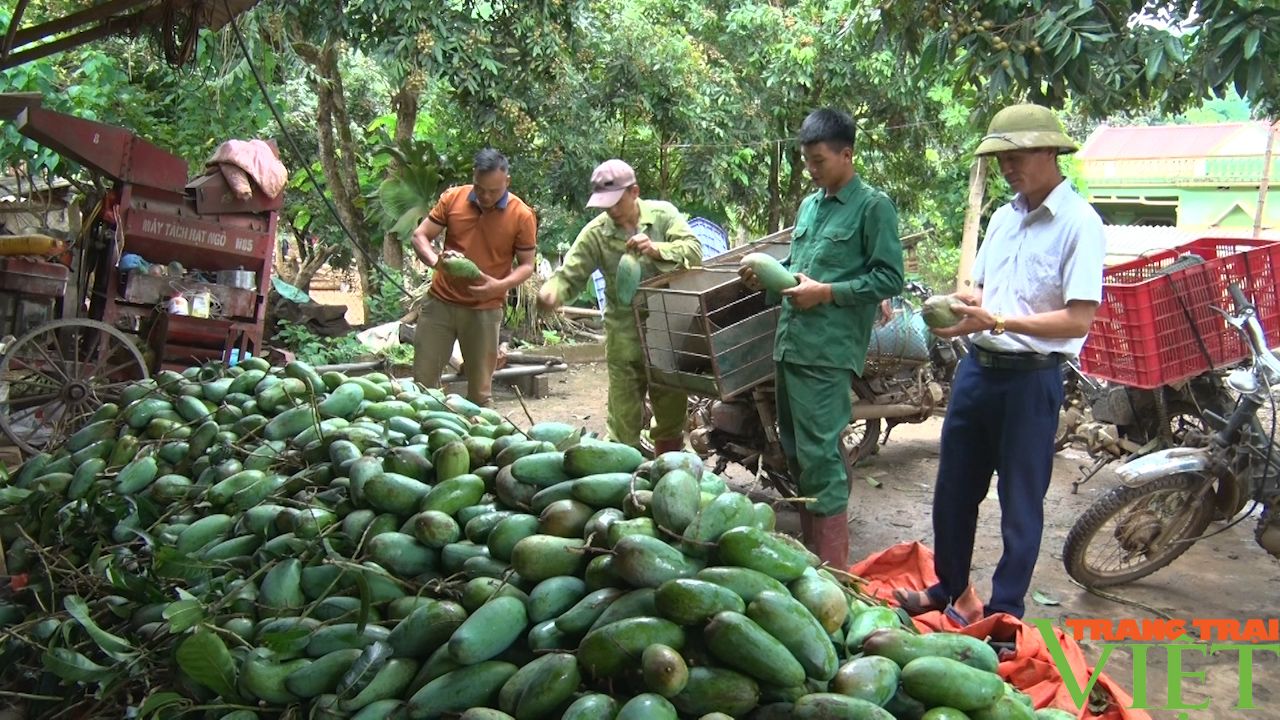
(597, 277)
(714, 239)
(199, 303)
(1157, 327)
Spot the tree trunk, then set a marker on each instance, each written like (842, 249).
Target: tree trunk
(775, 190)
(405, 103)
(311, 265)
(663, 173)
(346, 166)
(795, 185)
(305, 260)
(393, 252)
(336, 146)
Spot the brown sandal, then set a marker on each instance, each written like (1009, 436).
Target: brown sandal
(916, 602)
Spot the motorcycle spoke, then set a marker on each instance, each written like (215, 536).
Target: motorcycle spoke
(1132, 532)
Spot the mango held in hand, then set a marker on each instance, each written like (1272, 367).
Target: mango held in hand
(627, 280)
(770, 272)
(460, 267)
(937, 311)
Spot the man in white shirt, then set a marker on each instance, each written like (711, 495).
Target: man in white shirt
(1038, 276)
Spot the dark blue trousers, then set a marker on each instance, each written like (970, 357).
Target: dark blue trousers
(997, 421)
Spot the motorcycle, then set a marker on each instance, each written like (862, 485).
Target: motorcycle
(907, 379)
(1113, 422)
(1169, 497)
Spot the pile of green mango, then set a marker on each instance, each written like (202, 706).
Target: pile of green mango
(253, 542)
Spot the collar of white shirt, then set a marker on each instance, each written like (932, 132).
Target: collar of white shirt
(1052, 204)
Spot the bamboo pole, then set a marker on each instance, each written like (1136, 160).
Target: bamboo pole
(1265, 185)
(972, 224)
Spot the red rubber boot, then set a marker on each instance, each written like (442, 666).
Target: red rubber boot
(831, 536)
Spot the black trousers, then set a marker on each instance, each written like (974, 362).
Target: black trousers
(998, 421)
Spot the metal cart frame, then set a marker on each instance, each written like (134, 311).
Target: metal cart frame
(703, 332)
(112, 328)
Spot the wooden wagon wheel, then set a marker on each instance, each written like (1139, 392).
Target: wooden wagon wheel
(58, 374)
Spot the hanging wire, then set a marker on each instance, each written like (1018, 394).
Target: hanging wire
(303, 159)
(786, 140)
(168, 31)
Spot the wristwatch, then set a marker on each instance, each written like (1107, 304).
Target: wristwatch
(999, 328)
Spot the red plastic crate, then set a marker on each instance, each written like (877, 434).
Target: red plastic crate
(1157, 329)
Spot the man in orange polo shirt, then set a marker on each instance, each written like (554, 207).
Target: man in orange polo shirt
(493, 228)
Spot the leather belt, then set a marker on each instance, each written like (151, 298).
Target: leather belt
(1014, 361)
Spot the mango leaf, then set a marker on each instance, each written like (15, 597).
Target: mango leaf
(117, 647)
(1155, 60)
(206, 659)
(364, 669)
(289, 643)
(10, 496)
(74, 667)
(904, 617)
(152, 706)
(175, 565)
(1044, 599)
(1251, 42)
(366, 602)
(131, 585)
(184, 615)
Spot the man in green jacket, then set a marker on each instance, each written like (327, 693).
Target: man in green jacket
(658, 234)
(846, 253)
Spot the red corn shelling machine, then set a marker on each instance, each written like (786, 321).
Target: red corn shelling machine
(198, 241)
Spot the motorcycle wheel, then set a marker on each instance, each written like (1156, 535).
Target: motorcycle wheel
(1149, 521)
(858, 442)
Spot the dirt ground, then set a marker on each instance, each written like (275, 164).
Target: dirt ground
(1226, 576)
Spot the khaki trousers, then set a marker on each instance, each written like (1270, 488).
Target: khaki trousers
(476, 331)
(627, 387)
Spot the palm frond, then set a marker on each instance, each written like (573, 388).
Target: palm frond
(408, 196)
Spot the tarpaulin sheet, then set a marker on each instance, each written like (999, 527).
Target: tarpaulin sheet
(1030, 668)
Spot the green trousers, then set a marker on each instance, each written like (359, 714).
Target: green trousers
(627, 387)
(814, 404)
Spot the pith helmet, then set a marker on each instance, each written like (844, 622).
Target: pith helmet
(1023, 127)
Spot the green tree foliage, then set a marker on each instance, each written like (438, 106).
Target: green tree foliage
(184, 111)
(704, 99)
(1108, 55)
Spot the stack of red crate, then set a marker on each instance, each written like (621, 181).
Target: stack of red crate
(1157, 327)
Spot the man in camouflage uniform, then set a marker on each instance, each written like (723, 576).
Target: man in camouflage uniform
(658, 234)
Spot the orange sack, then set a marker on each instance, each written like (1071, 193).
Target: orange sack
(1030, 668)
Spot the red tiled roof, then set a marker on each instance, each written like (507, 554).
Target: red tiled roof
(1158, 141)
